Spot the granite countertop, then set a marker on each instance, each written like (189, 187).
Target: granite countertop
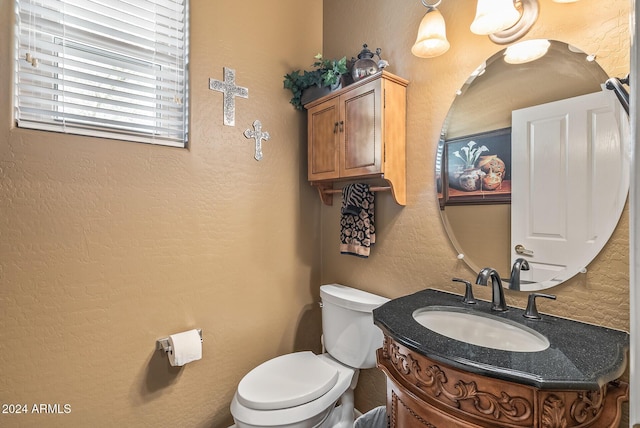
(581, 356)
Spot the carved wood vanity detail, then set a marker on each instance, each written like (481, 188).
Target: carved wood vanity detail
(425, 393)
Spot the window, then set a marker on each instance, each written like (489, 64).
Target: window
(103, 68)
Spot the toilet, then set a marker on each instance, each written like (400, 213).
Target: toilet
(305, 390)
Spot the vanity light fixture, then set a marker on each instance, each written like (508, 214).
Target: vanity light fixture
(526, 51)
(493, 16)
(505, 21)
(565, 1)
(432, 38)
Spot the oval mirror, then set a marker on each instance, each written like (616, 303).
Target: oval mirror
(533, 164)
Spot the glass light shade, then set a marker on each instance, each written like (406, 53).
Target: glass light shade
(493, 16)
(432, 37)
(527, 51)
(565, 1)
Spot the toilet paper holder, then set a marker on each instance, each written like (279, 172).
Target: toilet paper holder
(163, 344)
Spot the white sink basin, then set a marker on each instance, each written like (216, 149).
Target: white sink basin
(480, 329)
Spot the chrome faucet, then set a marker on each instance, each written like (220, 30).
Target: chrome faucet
(498, 303)
(514, 281)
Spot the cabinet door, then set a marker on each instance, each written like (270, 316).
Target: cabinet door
(361, 131)
(405, 411)
(323, 140)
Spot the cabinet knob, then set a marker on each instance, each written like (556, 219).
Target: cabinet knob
(342, 126)
(335, 127)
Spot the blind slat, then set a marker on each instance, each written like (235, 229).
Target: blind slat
(116, 14)
(89, 72)
(73, 118)
(106, 68)
(103, 32)
(110, 97)
(78, 129)
(76, 55)
(92, 110)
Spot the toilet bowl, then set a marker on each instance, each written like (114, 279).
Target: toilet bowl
(305, 390)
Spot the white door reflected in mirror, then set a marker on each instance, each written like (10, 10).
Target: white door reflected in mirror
(566, 199)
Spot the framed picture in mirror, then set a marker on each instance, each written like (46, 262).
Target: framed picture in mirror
(477, 169)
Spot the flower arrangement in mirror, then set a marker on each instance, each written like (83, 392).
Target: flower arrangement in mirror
(327, 75)
(471, 154)
(471, 176)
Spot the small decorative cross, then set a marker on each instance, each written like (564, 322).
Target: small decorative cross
(257, 135)
(230, 91)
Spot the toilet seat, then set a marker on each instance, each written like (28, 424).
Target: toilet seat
(308, 414)
(286, 381)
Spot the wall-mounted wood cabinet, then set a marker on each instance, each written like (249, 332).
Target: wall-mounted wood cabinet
(359, 132)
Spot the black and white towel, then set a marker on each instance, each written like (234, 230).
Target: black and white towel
(357, 230)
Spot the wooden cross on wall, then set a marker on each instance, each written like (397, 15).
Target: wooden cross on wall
(230, 90)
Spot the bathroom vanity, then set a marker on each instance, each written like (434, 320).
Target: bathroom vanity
(436, 381)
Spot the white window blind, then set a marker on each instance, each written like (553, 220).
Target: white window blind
(104, 68)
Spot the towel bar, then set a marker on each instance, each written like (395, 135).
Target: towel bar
(326, 192)
(373, 189)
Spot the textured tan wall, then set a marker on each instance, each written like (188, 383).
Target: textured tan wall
(412, 251)
(106, 246)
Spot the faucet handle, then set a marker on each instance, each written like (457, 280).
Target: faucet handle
(532, 311)
(468, 294)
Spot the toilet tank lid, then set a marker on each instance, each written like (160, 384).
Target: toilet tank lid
(351, 298)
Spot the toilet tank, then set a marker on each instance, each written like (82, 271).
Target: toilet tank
(349, 334)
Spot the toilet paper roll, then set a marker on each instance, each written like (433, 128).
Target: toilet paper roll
(185, 348)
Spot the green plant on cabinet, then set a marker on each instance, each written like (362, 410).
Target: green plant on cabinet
(327, 73)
